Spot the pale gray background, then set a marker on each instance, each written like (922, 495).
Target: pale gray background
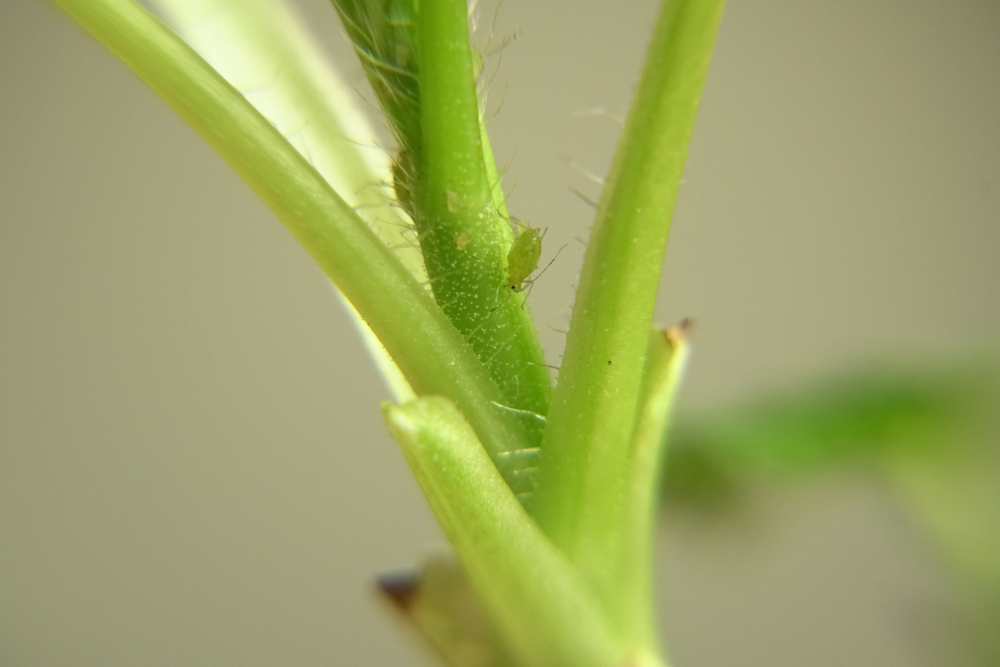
(193, 470)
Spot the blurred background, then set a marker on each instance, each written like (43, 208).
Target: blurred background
(193, 467)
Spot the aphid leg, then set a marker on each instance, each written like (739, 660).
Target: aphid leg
(531, 281)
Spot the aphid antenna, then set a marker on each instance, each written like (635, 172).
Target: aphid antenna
(531, 281)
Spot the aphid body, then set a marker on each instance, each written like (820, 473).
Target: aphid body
(522, 258)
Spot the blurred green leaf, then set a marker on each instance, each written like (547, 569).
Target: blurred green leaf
(930, 434)
(854, 420)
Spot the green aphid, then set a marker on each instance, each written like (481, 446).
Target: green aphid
(522, 258)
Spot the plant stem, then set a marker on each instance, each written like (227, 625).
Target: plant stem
(665, 362)
(421, 340)
(464, 239)
(583, 471)
(421, 68)
(543, 609)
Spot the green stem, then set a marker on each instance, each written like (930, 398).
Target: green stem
(581, 483)
(544, 611)
(665, 362)
(419, 63)
(421, 340)
(464, 239)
